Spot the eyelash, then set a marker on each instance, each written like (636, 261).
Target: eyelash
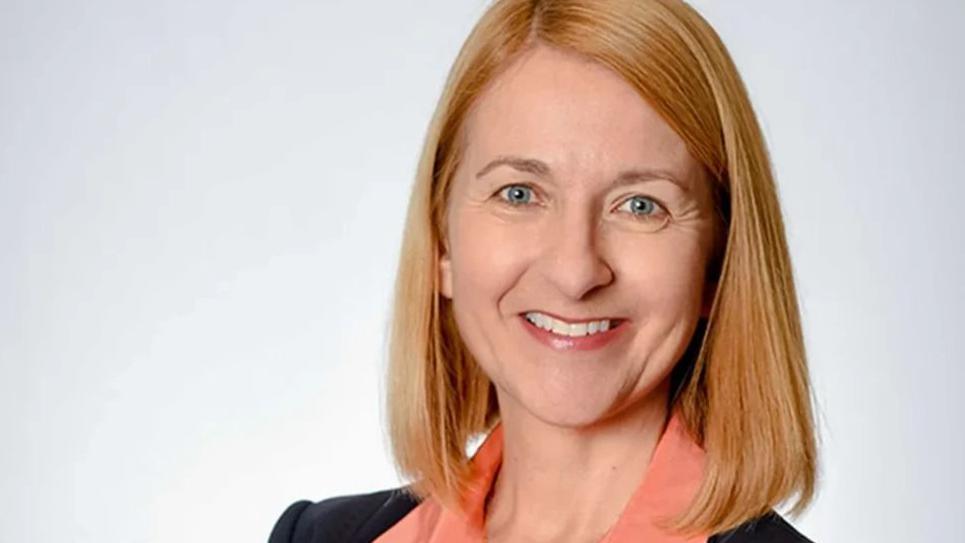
(502, 200)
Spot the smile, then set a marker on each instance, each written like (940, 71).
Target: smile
(562, 335)
(571, 329)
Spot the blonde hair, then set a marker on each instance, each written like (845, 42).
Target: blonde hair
(745, 397)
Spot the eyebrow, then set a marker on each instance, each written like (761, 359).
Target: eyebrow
(540, 168)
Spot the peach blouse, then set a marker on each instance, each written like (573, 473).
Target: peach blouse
(672, 478)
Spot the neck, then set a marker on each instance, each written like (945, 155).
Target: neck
(560, 483)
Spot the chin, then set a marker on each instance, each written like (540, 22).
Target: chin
(570, 410)
(574, 421)
(582, 405)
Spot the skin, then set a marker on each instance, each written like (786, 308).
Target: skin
(579, 426)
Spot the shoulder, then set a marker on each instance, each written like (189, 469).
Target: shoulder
(769, 528)
(358, 517)
(361, 518)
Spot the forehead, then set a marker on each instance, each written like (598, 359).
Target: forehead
(573, 113)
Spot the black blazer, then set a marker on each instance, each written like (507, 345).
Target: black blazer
(361, 518)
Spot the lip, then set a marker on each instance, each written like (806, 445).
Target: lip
(567, 343)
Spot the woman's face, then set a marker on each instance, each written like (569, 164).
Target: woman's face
(565, 205)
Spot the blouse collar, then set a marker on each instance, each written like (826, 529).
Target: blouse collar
(671, 480)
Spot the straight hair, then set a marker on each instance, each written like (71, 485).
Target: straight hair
(743, 388)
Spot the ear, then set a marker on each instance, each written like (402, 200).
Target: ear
(445, 275)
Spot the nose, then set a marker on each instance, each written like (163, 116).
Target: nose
(573, 261)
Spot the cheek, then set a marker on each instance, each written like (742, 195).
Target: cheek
(665, 270)
(488, 258)
(488, 254)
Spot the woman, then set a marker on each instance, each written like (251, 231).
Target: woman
(594, 278)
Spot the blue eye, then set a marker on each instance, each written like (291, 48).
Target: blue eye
(516, 195)
(642, 207)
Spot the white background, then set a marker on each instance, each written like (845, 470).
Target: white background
(200, 213)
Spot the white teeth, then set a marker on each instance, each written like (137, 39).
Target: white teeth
(565, 329)
(560, 328)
